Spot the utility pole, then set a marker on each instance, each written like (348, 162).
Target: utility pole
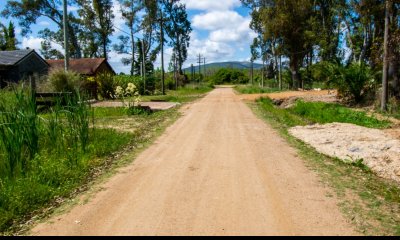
(262, 73)
(65, 22)
(192, 72)
(162, 54)
(199, 62)
(175, 75)
(385, 60)
(204, 66)
(144, 66)
(251, 73)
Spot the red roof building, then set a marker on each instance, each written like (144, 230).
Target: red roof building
(84, 66)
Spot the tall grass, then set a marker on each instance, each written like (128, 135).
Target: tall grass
(44, 156)
(19, 133)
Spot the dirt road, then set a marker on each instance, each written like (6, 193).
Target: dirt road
(219, 170)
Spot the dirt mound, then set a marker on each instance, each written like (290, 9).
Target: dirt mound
(378, 150)
(292, 96)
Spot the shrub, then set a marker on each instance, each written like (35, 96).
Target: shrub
(353, 82)
(225, 75)
(63, 81)
(106, 85)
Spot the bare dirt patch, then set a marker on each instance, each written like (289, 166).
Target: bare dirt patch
(379, 150)
(322, 96)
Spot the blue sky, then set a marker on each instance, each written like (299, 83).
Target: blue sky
(220, 32)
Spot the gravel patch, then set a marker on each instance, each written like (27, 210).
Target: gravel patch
(380, 151)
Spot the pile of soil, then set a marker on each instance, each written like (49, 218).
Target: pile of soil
(313, 95)
(379, 150)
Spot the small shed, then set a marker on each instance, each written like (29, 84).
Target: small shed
(21, 65)
(84, 66)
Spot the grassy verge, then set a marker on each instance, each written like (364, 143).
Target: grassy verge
(369, 202)
(255, 89)
(182, 95)
(303, 113)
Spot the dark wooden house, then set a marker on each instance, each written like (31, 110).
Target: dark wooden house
(21, 65)
(84, 66)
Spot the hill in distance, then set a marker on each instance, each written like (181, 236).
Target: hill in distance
(233, 65)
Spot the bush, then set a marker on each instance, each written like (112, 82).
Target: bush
(354, 82)
(63, 81)
(225, 75)
(106, 85)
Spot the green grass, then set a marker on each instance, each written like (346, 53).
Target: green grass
(369, 202)
(303, 113)
(101, 112)
(52, 176)
(255, 89)
(182, 95)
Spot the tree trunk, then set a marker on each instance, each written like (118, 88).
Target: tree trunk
(385, 61)
(280, 72)
(133, 52)
(294, 68)
(162, 54)
(104, 48)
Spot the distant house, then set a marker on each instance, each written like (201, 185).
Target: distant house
(84, 66)
(21, 65)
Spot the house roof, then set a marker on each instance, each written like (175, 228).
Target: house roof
(86, 66)
(11, 58)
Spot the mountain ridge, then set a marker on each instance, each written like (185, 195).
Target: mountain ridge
(230, 64)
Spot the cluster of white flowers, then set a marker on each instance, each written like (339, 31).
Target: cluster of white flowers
(131, 89)
(119, 92)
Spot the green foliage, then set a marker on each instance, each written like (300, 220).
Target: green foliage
(65, 81)
(18, 134)
(178, 29)
(106, 85)
(254, 89)
(303, 113)
(353, 82)
(8, 40)
(283, 116)
(319, 112)
(230, 76)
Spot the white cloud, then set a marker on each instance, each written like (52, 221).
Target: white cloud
(217, 20)
(211, 4)
(32, 43)
(115, 61)
(228, 35)
(44, 23)
(35, 43)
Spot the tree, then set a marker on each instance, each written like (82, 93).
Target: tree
(11, 40)
(8, 41)
(178, 29)
(129, 10)
(98, 18)
(143, 57)
(27, 12)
